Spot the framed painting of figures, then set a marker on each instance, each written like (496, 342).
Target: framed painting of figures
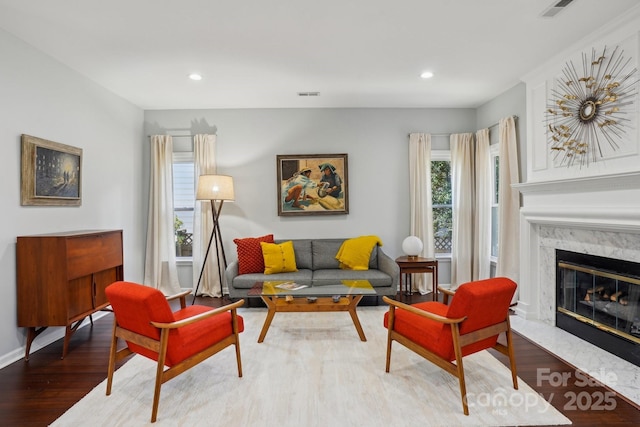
(51, 173)
(312, 184)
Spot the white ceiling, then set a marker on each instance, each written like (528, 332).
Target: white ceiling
(261, 53)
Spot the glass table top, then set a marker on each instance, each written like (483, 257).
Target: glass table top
(284, 288)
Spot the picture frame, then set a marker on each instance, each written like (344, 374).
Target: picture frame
(312, 184)
(51, 173)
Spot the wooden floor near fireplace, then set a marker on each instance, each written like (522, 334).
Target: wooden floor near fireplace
(37, 392)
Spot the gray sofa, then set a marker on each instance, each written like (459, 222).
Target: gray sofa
(317, 264)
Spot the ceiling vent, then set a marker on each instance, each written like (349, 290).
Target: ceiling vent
(308, 93)
(556, 8)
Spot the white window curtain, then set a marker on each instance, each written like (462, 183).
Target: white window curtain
(471, 187)
(204, 164)
(160, 260)
(421, 202)
(482, 216)
(462, 154)
(508, 264)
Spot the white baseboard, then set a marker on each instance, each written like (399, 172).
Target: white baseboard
(54, 334)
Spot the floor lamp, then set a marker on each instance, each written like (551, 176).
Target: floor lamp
(216, 189)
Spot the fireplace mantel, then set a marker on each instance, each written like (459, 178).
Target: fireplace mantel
(629, 180)
(620, 218)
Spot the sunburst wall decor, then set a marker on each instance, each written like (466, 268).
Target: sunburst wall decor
(591, 107)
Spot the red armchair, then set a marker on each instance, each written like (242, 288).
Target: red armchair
(176, 340)
(444, 334)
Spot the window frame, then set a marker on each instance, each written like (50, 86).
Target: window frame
(494, 151)
(183, 157)
(438, 156)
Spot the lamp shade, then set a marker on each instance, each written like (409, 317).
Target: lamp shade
(412, 246)
(215, 187)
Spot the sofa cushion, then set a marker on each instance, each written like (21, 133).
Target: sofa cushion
(247, 281)
(278, 258)
(324, 253)
(302, 249)
(377, 278)
(250, 258)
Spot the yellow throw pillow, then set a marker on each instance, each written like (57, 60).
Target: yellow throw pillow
(278, 258)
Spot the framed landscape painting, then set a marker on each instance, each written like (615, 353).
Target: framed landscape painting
(312, 184)
(51, 173)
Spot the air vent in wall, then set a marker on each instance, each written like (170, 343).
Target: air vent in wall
(555, 8)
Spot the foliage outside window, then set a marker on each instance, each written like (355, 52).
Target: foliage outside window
(442, 205)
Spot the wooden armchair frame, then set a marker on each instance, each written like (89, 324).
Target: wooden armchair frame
(446, 293)
(459, 341)
(160, 346)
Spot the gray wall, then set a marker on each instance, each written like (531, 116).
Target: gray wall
(511, 102)
(44, 98)
(376, 141)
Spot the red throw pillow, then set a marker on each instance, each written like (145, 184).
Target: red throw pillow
(250, 259)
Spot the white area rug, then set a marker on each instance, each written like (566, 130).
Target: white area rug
(313, 370)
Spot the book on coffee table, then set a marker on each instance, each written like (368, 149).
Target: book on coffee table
(290, 286)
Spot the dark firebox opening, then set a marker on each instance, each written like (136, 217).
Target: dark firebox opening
(597, 300)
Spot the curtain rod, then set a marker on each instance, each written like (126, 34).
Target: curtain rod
(174, 136)
(515, 117)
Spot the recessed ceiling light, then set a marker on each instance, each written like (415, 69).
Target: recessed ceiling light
(195, 76)
(426, 75)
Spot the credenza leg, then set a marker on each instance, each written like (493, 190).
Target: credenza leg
(70, 329)
(67, 337)
(32, 333)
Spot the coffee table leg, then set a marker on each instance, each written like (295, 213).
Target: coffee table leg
(354, 316)
(271, 306)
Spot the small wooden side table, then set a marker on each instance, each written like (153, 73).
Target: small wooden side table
(409, 265)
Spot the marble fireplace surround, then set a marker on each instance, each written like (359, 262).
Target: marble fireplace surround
(598, 216)
(620, 245)
(566, 215)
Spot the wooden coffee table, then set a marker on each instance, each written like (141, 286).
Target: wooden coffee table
(343, 296)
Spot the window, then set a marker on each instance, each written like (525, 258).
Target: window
(441, 202)
(495, 221)
(183, 202)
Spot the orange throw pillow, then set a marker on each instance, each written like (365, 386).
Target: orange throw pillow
(250, 259)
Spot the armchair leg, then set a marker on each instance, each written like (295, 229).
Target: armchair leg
(391, 321)
(234, 324)
(463, 387)
(112, 358)
(156, 392)
(238, 358)
(164, 341)
(388, 365)
(460, 367)
(512, 358)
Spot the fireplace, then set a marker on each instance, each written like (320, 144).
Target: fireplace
(597, 300)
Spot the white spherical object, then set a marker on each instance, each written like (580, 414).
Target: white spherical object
(412, 246)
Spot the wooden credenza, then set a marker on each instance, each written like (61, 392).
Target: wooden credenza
(61, 279)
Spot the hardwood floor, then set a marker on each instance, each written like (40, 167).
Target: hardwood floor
(37, 392)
